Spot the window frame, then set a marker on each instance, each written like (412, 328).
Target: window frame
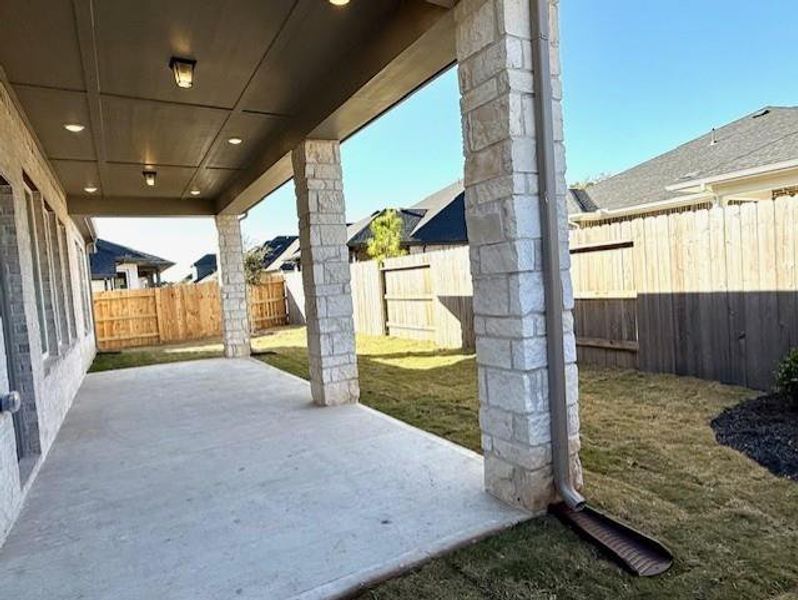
(38, 283)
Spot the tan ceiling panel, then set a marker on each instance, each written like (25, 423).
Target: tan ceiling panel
(127, 180)
(38, 44)
(293, 67)
(48, 111)
(158, 132)
(253, 129)
(76, 175)
(210, 182)
(136, 38)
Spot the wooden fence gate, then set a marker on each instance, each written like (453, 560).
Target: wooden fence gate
(409, 308)
(180, 313)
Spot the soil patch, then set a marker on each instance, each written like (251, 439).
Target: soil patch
(764, 429)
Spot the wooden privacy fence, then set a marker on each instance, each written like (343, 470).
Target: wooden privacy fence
(420, 296)
(711, 293)
(144, 317)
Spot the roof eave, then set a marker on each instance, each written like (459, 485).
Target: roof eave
(638, 209)
(699, 185)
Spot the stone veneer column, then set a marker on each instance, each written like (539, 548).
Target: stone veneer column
(325, 272)
(494, 53)
(233, 286)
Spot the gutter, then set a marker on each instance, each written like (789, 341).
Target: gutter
(637, 552)
(734, 175)
(547, 189)
(639, 209)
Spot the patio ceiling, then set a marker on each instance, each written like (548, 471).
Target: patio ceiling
(271, 72)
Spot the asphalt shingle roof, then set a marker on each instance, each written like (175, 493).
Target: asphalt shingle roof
(275, 248)
(437, 219)
(108, 255)
(767, 136)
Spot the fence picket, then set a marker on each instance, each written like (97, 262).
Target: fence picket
(131, 318)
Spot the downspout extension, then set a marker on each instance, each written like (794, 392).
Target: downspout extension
(547, 189)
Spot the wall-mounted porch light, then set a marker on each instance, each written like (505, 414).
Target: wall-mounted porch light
(195, 192)
(183, 70)
(235, 141)
(74, 127)
(339, 2)
(90, 189)
(149, 177)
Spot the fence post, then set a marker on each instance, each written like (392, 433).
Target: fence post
(383, 310)
(159, 315)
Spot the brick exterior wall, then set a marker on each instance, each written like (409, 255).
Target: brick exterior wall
(502, 213)
(47, 387)
(325, 272)
(233, 287)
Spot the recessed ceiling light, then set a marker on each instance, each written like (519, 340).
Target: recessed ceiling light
(149, 177)
(195, 192)
(235, 141)
(90, 189)
(339, 2)
(74, 127)
(183, 70)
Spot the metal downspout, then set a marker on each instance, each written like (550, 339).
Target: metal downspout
(547, 190)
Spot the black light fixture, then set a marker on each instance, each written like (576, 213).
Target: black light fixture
(183, 69)
(149, 177)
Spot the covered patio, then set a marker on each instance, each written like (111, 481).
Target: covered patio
(222, 479)
(170, 478)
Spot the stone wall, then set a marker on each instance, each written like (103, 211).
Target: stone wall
(47, 386)
(325, 272)
(503, 216)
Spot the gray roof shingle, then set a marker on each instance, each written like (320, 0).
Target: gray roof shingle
(767, 136)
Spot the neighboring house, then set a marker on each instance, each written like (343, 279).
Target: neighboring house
(278, 256)
(751, 159)
(278, 253)
(117, 267)
(204, 269)
(435, 223)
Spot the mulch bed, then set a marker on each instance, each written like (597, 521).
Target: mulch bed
(765, 429)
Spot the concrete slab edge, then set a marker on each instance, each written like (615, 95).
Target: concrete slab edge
(351, 585)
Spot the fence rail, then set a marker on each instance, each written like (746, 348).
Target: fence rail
(148, 317)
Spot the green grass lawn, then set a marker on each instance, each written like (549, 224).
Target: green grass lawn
(650, 458)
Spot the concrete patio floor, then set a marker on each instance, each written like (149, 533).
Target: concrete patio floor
(220, 479)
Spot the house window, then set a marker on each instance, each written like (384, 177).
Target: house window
(85, 297)
(56, 276)
(36, 254)
(66, 270)
(120, 282)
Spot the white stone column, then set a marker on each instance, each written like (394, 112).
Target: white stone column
(325, 272)
(233, 287)
(502, 212)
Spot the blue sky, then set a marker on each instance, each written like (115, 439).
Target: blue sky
(639, 78)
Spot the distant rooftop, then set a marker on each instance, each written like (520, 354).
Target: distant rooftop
(108, 255)
(765, 137)
(437, 219)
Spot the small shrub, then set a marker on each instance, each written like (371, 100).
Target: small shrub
(787, 375)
